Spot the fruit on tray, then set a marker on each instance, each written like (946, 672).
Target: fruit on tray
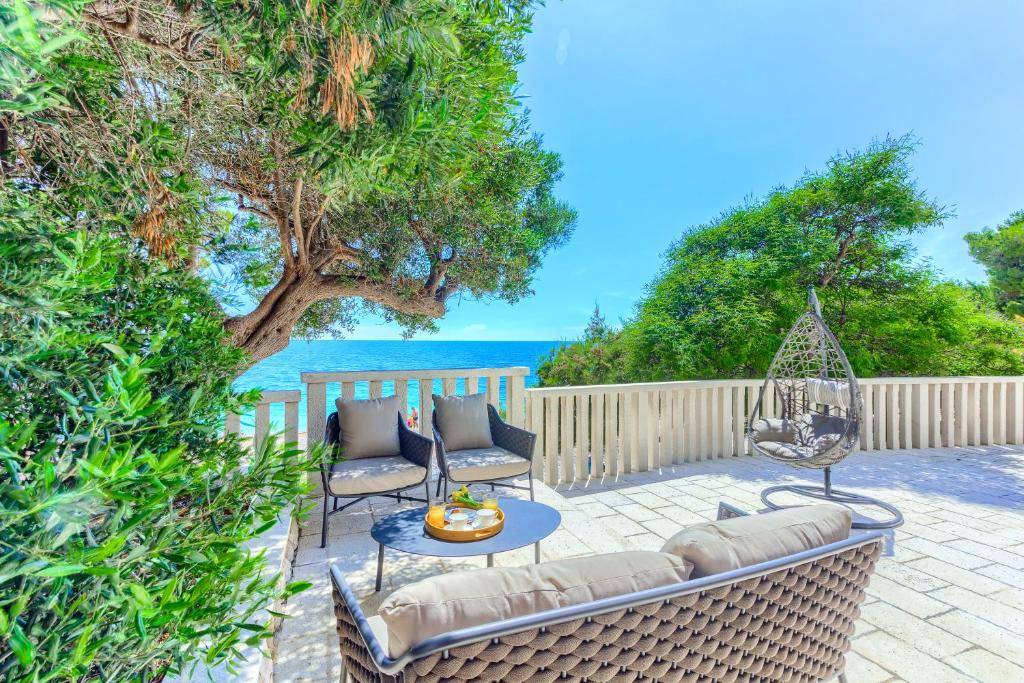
(463, 497)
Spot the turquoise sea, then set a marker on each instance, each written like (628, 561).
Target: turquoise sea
(282, 370)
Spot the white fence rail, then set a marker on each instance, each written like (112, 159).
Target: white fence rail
(505, 387)
(290, 399)
(603, 430)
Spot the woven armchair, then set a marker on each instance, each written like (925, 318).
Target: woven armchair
(790, 620)
(511, 440)
(415, 450)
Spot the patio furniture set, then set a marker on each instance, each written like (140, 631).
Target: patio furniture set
(763, 597)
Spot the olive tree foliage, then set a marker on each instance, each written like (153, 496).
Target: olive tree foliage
(124, 512)
(333, 156)
(1001, 251)
(730, 290)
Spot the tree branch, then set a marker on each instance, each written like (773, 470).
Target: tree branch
(380, 293)
(180, 48)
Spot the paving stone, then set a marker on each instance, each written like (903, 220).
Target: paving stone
(663, 528)
(973, 581)
(982, 633)
(945, 553)
(1008, 575)
(910, 578)
(860, 670)
(989, 553)
(987, 667)
(647, 499)
(998, 613)
(909, 664)
(907, 599)
(927, 637)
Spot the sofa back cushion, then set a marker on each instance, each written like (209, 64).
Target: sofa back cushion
(716, 547)
(449, 602)
(463, 422)
(369, 428)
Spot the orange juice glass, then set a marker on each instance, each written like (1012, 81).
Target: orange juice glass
(435, 513)
(490, 501)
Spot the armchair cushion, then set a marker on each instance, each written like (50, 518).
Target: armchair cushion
(463, 421)
(366, 476)
(716, 547)
(457, 600)
(369, 428)
(484, 464)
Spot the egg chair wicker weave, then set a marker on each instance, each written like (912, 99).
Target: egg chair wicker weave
(818, 424)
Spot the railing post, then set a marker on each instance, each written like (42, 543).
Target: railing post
(316, 424)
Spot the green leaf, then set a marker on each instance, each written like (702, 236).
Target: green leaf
(22, 647)
(58, 570)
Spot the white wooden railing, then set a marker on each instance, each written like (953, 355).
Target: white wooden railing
(290, 399)
(505, 387)
(603, 430)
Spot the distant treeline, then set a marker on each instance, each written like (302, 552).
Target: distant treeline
(729, 290)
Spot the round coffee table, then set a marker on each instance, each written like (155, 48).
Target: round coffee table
(526, 522)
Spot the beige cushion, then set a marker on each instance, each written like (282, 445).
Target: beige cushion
(773, 429)
(717, 547)
(832, 392)
(485, 464)
(369, 428)
(365, 476)
(459, 600)
(462, 421)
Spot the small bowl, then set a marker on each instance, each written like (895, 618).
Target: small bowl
(459, 520)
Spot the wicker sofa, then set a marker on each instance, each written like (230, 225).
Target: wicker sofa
(787, 619)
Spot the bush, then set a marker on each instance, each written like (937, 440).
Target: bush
(123, 513)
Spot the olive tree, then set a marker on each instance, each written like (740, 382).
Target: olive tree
(334, 156)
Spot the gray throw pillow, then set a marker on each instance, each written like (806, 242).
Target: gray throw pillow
(462, 421)
(369, 428)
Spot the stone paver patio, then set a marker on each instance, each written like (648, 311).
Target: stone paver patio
(946, 603)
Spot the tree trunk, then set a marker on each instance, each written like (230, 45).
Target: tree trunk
(268, 328)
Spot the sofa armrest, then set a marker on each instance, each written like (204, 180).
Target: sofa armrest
(513, 439)
(345, 599)
(415, 447)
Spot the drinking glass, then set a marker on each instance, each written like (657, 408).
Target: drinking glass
(490, 500)
(435, 513)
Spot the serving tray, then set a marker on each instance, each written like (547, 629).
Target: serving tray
(464, 535)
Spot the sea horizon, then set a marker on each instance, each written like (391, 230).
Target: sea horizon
(282, 371)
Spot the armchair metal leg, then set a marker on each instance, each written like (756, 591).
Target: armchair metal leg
(446, 488)
(439, 478)
(530, 477)
(426, 490)
(323, 528)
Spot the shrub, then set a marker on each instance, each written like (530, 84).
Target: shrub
(123, 513)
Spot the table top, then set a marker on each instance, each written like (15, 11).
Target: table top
(526, 522)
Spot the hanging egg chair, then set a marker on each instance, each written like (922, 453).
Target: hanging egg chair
(808, 414)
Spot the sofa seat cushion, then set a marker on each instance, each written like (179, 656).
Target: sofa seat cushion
(368, 428)
(716, 547)
(367, 476)
(458, 600)
(463, 421)
(485, 464)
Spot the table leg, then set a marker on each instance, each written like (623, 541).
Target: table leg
(536, 552)
(490, 560)
(380, 565)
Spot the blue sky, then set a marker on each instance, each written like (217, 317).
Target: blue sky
(667, 113)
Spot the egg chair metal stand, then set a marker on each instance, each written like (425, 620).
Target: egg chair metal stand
(808, 414)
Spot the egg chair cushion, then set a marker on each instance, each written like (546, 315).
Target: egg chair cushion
(830, 392)
(773, 429)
